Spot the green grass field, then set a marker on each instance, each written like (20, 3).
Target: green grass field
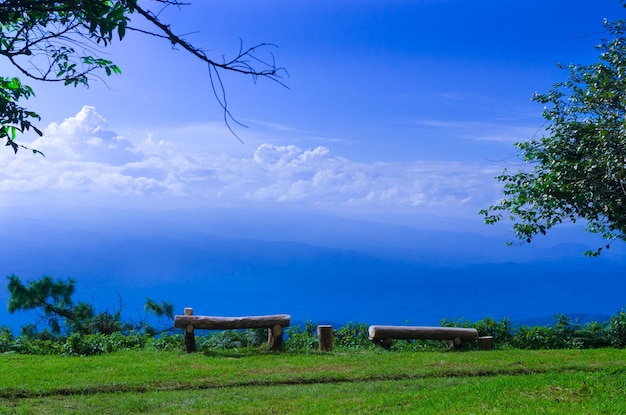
(371, 382)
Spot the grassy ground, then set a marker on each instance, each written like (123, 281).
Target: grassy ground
(511, 381)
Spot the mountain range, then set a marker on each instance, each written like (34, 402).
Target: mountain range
(322, 268)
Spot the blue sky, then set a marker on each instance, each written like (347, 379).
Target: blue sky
(397, 111)
(394, 108)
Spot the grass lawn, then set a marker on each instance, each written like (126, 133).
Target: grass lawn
(250, 382)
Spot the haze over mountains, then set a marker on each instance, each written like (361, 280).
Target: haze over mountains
(324, 268)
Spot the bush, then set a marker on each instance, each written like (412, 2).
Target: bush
(131, 340)
(562, 334)
(617, 329)
(6, 340)
(37, 346)
(302, 339)
(168, 342)
(231, 339)
(352, 336)
(536, 337)
(592, 335)
(501, 331)
(94, 344)
(85, 345)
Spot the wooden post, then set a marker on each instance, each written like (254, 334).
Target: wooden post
(325, 338)
(485, 343)
(275, 337)
(190, 336)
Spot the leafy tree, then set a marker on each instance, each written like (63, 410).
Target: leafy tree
(59, 41)
(164, 312)
(54, 299)
(578, 167)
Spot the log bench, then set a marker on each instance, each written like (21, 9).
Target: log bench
(274, 324)
(384, 335)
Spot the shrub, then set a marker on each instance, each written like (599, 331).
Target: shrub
(94, 344)
(168, 341)
(37, 346)
(565, 332)
(501, 331)
(562, 334)
(592, 335)
(617, 329)
(231, 339)
(256, 337)
(131, 340)
(302, 339)
(352, 336)
(85, 345)
(6, 340)
(536, 337)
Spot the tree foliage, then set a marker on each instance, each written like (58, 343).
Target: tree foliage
(164, 311)
(54, 299)
(578, 167)
(62, 316)
(62, 41)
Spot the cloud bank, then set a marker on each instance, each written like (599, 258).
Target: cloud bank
(88, 161)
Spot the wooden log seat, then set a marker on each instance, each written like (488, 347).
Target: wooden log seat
(274, 323)
(384, 335)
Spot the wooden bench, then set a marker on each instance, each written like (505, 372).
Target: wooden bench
(274, 324)
(384, 335)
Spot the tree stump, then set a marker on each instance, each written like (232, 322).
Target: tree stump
(325, 338)
(485, 343)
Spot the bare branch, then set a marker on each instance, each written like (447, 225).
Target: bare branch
(240, 63)
(61, 41)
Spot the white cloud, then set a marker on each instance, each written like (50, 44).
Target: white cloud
(503, 131)
(282, 156)
(85, 137)
(86, 159)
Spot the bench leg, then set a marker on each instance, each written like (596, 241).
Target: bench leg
(190, 336)
(275, 337)
(190, 339)
(455, 344)
(384, 343)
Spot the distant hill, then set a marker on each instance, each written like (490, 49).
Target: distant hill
(340, 270)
